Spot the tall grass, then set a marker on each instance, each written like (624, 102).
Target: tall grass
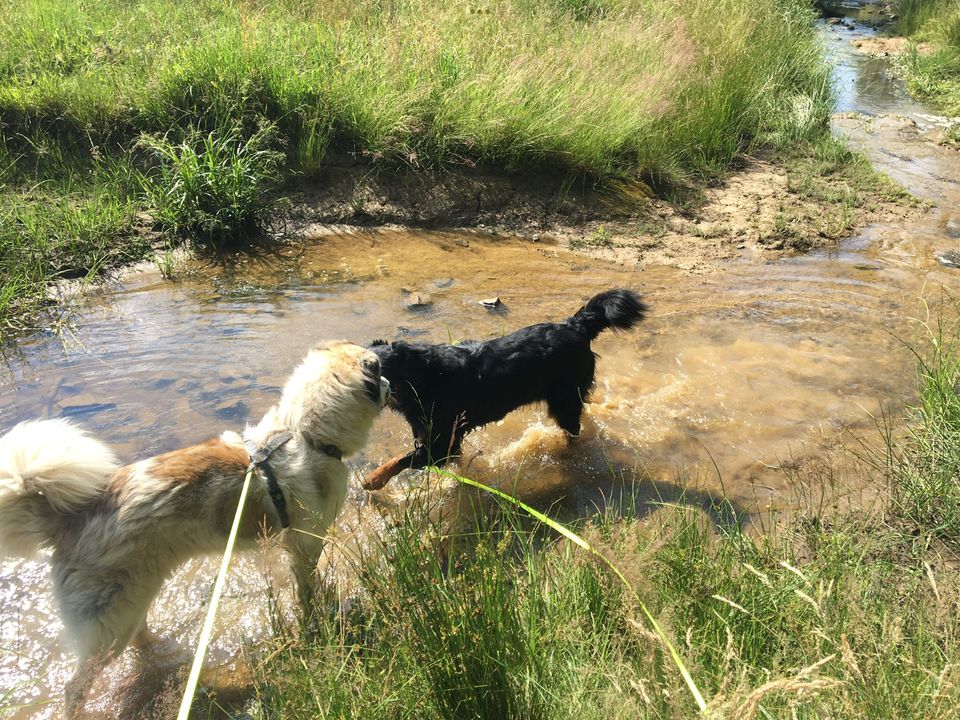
(69, 233)
(603, 87)
(933, 75)
(841, 620)
(924, 465)
(211, 186)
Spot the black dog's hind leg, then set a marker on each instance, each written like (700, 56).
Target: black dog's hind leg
(565, 406)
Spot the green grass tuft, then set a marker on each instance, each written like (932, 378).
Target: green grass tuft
(211, 186)
(933, 75)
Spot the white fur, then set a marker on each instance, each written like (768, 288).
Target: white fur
(118, 533)
(54, 459)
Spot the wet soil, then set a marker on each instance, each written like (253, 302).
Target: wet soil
(758, 211)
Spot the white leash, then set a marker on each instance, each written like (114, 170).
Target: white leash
(191, 688)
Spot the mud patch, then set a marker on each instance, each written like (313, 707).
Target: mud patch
(765, 208)
(889, 46)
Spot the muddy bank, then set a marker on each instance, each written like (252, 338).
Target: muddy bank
(764, 209)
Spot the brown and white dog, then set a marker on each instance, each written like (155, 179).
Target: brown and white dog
(118, 532)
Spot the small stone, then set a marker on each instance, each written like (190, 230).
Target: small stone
(461, 242)
(491, 303)
(481, 225)
(953, 228)
(410, 332)
(834, 21)
(443, 282)
(949, 258)
(536, 237)
(415, 301)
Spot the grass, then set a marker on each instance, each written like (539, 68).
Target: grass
(833, 185)
(841, 620)
(924, 466)
(934, 75)
(211, 186)
(67, 232)
(668, 93)
(426, 83)
(850, 615)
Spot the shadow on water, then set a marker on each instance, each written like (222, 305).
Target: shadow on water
(745, 380)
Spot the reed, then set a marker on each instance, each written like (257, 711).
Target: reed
(933, 75)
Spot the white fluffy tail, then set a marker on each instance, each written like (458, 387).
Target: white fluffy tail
(48, 468)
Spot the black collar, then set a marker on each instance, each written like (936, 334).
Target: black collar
(260, 457)
(331, 450)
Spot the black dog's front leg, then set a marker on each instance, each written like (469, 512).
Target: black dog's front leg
(421, 457)
(383, 474)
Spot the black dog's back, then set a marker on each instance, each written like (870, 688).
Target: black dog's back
(445, 391)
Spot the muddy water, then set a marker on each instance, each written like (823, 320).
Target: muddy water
(735, 376)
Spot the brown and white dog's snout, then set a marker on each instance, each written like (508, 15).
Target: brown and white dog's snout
(384, 391)
(378, 387)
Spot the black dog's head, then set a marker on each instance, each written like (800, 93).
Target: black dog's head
(399, 364)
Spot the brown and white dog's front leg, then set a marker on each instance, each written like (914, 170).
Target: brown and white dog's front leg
(304, 556)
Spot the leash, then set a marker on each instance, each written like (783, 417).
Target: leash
(258, 458)
(207, 630)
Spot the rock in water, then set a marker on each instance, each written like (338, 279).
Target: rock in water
(949, 258)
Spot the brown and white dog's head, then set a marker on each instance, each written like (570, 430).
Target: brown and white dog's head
(332, 397)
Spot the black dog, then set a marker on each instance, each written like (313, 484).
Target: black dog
(445, 391)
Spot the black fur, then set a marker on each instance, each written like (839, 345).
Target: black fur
(445, 391)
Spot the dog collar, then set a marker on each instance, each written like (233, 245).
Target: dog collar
(259, 457)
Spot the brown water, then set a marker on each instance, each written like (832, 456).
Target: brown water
(735, 375)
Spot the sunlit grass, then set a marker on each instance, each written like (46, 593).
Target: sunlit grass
(933, 75)
(211, 186)
(835, 620)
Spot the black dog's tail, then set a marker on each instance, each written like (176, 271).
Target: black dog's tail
(619, 309)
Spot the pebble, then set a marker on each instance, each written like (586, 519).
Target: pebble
(491, 303)
(414, 300)
(949, 258)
